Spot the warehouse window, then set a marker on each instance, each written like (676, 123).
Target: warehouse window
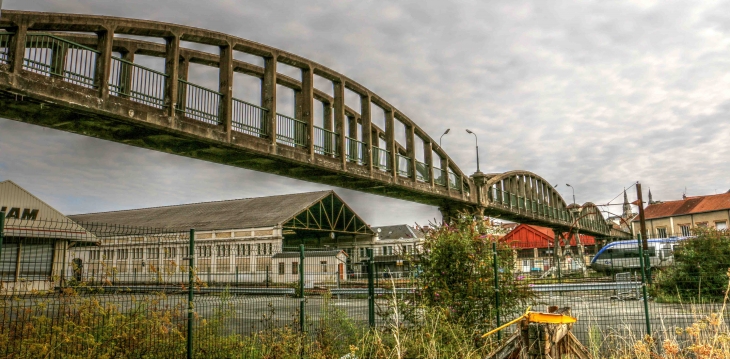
(36, 260)
(282, 267)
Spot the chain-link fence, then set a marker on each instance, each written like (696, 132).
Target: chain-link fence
(73, 288)
(69, 289)
(621, 291)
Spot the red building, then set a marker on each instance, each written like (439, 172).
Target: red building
(534, 247)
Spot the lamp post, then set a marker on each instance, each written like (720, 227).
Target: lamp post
(572, 188)
(442, 136)
(476, 140)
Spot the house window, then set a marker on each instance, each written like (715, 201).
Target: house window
(685, 228)
(122, 254)
(362, 253)
(170, 252)
(324, 266)
(295, 268)
(721, 226)
(153, 253)
(661, 232)
(281, 268)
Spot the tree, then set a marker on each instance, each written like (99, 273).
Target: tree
(700, 268)
(457, 273)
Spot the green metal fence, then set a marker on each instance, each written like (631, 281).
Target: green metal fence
(381, 159)
(198, 102)
(250, 119)
(439, 177)
(69, 289)
(138, 83)
(356, 151)
(291, 131)
(54, 56)
(5, 38)
(326, 142)
(403, 164)
(454, 181)
(423, 173)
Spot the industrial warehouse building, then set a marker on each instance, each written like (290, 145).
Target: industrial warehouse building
(237, 241)
(36, 240)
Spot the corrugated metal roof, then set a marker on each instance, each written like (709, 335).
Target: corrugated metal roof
(230, 214)
(399, 231)
(690, 205)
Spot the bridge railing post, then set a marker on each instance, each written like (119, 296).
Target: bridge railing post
(340, 119)
(17, 47)
(306, 106)
(268, 97)
(172, 67)
(105, 40)
(225, 87)
(367, 131)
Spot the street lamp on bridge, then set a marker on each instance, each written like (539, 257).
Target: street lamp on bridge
(477, 145)
(572, 188)
(442, 136)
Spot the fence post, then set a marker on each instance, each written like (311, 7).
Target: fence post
(496, 287)
(301, 288)
(2, 232)
(191, 292)
(267, 276)
(560, 277)
(643, 286)
(371, 288)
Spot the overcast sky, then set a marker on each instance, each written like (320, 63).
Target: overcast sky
(598, 94)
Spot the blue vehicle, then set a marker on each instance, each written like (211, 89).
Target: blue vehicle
(623, 256)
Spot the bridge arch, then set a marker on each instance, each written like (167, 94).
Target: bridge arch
(591, 219)
(63, 71)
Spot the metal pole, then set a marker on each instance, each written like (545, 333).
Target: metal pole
(642, 222)
(643, 287)
(2, 219)
(301, 288)
(371, 288)
(191, 291)
(496, 287)
(267, 276)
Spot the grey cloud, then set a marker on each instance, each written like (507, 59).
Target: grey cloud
(597, 94)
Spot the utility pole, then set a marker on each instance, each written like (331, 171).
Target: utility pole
(642, 218)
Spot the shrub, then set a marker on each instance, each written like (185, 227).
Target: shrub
(457, 273)
(699, 269)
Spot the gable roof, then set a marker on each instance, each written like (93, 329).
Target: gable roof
(398, 231)
(529, 236)
(29, 216)
(690, 205)
(219, 215)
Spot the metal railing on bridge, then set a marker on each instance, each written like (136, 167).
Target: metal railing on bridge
(454, 181)
(381, 159)
(439, 177)
(249, 119)
(50, 55)
(422, 172)
(326, 142)
(4, 44)
(291, 131)
(513, 201)
(403, 165)
(198, 102)
(138, 83)
(356, 151)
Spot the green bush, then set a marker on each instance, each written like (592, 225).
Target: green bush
(700, 269)
(457, 273)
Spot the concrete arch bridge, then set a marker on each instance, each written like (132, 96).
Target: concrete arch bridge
(78, 73)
